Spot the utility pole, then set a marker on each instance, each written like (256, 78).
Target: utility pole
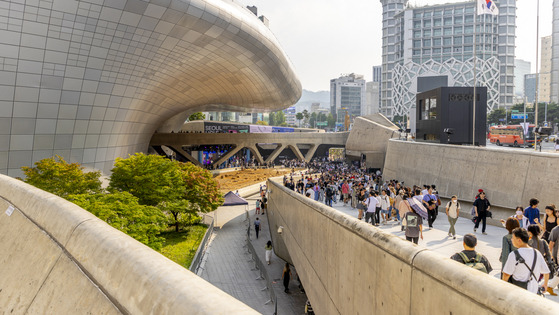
(537, 76)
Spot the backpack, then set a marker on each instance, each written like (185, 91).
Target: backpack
(329, 192)
(474, 262)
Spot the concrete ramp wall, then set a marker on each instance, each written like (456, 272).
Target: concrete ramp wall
(57, 258)
(350, 267)
(510, 177)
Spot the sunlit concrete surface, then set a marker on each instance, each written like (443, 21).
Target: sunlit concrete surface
(91, 80)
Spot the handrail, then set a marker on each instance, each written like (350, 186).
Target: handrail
(195, 265)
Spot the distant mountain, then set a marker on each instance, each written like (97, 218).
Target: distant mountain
(309, 97)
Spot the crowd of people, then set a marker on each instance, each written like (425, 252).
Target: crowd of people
(529, 250)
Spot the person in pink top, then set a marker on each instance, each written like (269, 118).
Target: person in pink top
(345, 192)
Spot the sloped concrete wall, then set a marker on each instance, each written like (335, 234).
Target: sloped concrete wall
(509, 177)
(350, 267)
(57, 258)
(369, 136)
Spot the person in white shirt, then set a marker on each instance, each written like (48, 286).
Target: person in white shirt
(310, 191)
(372, 203)
(526, 264)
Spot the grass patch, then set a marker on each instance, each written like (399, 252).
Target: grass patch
(181, 246)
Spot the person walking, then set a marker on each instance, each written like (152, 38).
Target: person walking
(361, 205)
(257, 226)
(470, 257)
(268, 248)
(345, 192)
(525, 265)
(532, 212)
(481, 206)
(550, 221)
(430, 202)
(372, 203)
(258, 203)
(286, 276)
(414, 226)
(384, 205)
(506, 246)
(542, 247)
(452, 212)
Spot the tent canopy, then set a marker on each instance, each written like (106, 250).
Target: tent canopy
(233, 200)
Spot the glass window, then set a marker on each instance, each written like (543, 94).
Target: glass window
(468, 39)
(426, 43)
(427, 33)
(469, 29)
(458, 40)
(448, 21)
(468, 48)
(437, 13)
(447, 41)
(437, 32)
(437, 22)
(458, 30)
(436, 50)
(469, 10)
(416, 24)
(417, 52)
(426, 23)
(416, 43)
(428, 108)
(458, 20)
(427, 51)
(447, 50)
(417, 15)
(416, 34)
(436, 42)
(448, 31)
(427, 14)
(458, 11)
(469, 19)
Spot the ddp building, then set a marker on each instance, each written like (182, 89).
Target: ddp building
(92, 80)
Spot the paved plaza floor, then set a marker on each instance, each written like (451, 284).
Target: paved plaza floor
(438, 240)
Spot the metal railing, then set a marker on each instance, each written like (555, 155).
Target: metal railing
(258, 265)
(196, 262)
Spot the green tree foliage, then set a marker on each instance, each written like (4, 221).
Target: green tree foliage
(196, 116)
(280, 118)
(495, 115)
(331, 121)
(312, 120)
(122, 211)
(261, 122)
(202, 191)
(299, 117)
(151, 178)
(272, 119)
(61, 178)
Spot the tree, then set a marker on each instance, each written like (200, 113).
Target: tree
(494, 117)
(197, 116)
(331, 121)
(306, 116)
(280, 118)
(299, 117)
(61, 178)
(261, 122)
(151, 178)
(312, 120)
(272, 119)
(202, 190)
(122, 211)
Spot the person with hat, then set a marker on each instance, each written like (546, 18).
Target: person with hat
(470, 257)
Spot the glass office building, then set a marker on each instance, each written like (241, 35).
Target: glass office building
(439, 40)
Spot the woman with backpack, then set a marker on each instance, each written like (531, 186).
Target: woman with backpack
(507, 247)
(543, 248)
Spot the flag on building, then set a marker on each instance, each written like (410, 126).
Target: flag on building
(487, 7)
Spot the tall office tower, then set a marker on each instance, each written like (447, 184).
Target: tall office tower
(530, 87)
(437, 40)
(554, 97)
(347, 93)
(521, 68)
(372, 93)
(544, 80)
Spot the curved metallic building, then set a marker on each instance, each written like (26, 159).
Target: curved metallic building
(92, 80)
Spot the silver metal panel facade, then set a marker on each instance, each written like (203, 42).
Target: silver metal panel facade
(91, 80)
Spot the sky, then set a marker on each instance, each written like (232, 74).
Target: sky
(327, 38)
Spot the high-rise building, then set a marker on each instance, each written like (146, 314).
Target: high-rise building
(521, 68)
(290, 115)
(315, 107)
(347, 93)
(544, 80)
(530, 87)
(372, 98)
(377, 73)
(554, 80)
(439, 40)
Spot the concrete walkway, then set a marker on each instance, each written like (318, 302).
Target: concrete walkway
(226, 263)
(438, 240)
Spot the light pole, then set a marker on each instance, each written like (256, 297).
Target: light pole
(537, 76)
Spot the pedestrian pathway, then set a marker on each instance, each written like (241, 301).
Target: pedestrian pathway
(226, 264)
(438, 240)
